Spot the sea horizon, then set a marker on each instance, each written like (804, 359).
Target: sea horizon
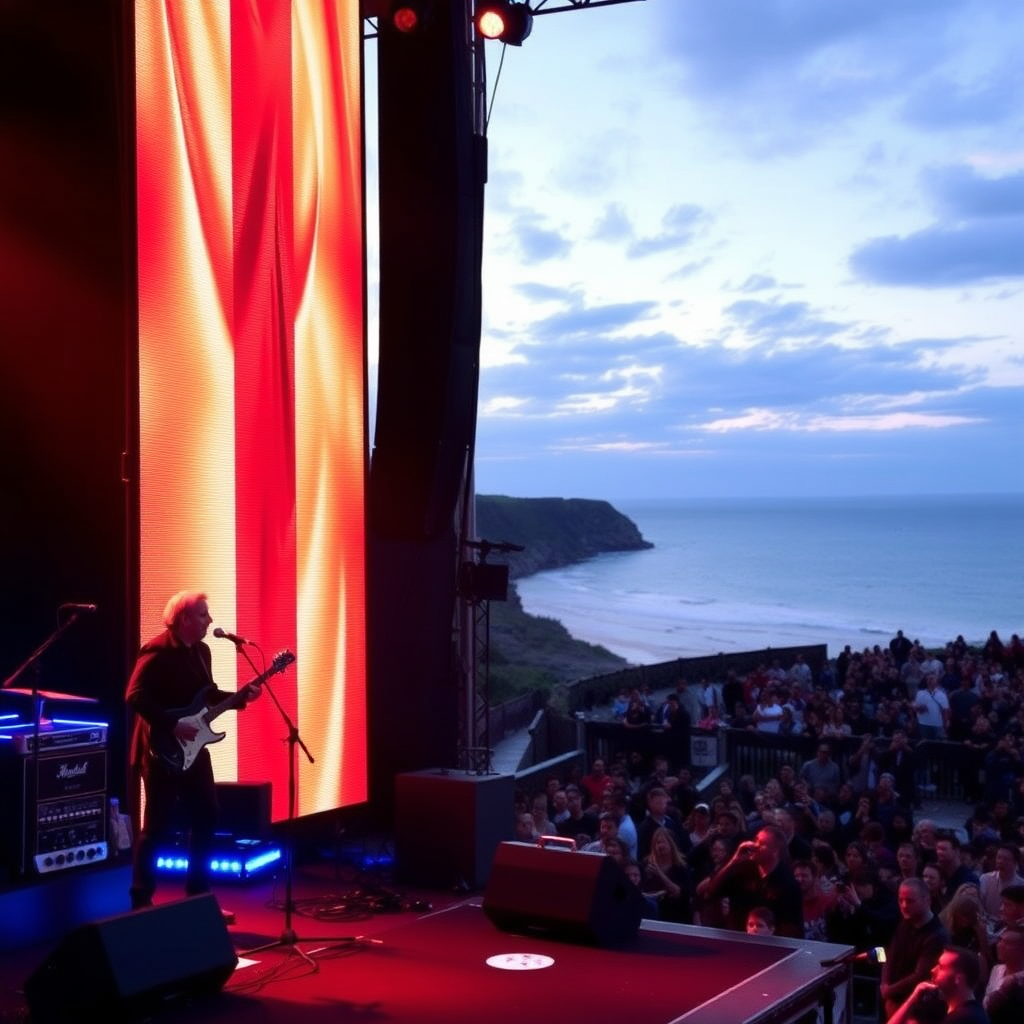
(732, 574)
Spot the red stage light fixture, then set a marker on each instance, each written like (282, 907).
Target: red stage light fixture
(409, 16)
(504, 20)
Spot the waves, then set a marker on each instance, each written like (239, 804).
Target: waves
(735, 577)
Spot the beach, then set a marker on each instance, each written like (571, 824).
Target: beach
(733, 575)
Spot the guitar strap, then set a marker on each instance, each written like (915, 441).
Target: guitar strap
(196, 652)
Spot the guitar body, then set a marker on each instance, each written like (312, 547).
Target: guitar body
(181, 754)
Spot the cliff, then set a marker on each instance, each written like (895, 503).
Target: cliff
(529, 652)
(554, 532)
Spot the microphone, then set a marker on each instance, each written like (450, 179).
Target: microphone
(222, 634)
(871, 956)
(73, 607)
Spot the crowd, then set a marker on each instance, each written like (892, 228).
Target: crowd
(827, 850)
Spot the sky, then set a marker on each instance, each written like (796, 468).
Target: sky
(756, 247)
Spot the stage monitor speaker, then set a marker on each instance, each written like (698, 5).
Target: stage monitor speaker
(124, 966)
(477, 815)
(558, 894)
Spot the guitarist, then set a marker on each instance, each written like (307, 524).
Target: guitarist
(171, 671)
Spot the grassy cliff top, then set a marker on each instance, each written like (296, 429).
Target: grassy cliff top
(528, 652)
(554, 532)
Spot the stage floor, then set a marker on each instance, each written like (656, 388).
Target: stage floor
(438, 968)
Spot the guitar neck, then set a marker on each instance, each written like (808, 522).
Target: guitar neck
(234, 701)
(281, 662)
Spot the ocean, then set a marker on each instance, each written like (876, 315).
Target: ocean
(732, 575)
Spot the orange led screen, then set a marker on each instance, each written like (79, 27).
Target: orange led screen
(252, 397)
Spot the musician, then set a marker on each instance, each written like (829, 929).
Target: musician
(172, 671)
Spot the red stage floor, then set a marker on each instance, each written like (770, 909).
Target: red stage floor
(433, 968)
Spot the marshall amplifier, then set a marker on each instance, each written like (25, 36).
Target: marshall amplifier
(66, 824)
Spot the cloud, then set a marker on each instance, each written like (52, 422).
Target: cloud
(941, 102)
(539, 291)
(979, 252)
(538, 243)
(689, 269)
(960, 193)
(775, 73)
(680, 225)
(758, 283)
(591, 321)
(796, 422)
(782, 322)
(613, 226)
(502, 404)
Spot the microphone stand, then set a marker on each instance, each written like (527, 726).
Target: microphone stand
(289, 938)
(32, 661)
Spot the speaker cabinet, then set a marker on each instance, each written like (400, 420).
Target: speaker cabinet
(120, 967)
(575, 897)
(448, 825)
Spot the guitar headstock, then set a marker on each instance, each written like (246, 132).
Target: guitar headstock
(282, 660)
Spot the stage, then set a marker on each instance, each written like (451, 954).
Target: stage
(450, 964)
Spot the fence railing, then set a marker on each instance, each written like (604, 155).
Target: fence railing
(941, 767)
(513, 715)
(586, 694)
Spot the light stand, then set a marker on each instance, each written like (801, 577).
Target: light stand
(480, 583)
(289, 939)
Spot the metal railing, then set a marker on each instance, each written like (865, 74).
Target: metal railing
(586, 694)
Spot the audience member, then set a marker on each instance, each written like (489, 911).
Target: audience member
(992, 883)
(607, 829)
(932, 707)
(542, 824)
(658, 816)
(816, 902)
(595, 783)
(915, 948)
(758, 875)
(580, 825)
(907, 861)
(667, 878)
(961, 917)
(760, 921)
(932, 878)
(822, 771)
(1011, 907)
(865, 913)
(953, 979)
(954, 873)
(1004, 993)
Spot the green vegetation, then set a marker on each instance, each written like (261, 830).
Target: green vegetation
(532, 653)
(554, 532)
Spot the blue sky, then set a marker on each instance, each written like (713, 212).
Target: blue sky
(742, 247)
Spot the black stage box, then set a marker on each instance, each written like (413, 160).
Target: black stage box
(448, 825)
(124, 966)
(244, 810)
(562, 894)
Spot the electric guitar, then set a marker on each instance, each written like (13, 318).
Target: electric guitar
(180, 754)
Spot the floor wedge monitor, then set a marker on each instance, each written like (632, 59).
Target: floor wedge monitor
(122, 967)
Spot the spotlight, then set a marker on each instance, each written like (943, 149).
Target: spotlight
(409, 16)
(505, 20)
